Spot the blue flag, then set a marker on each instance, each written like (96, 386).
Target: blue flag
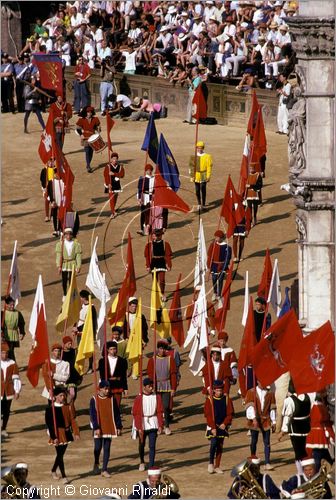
(150, 142)
(286, 305)
(167, 165)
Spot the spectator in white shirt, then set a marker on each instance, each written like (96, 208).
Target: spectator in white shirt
(198, 26)
(103, 52)
(238, 56)
(209, 10)
(134, 32)
(130, 59)
(230, 29)
(97, 36)
(166, 40)
(122, 105)
(76, 18)
(89, 51)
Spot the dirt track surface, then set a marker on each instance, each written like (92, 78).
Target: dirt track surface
(185, 452)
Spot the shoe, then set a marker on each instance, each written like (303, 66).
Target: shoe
(164, 298)
(113, 216)
(235, 259)
(218, 470)
(56, 234)
(89, 169)
(141, 467)
(96, 469)
(141, 233)
(167, 431)
(105, 474)
(4, 434)
(63, 298)
(268, 467)
(26, 131)
(55, 476)
(248, 432)
(103, 113)
(135, 377)
(89, 371)
(214, 297)
(211, 469)
(46, 219)
(65, 480)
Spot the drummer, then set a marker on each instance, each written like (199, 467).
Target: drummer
(113, 172)
(86, 126)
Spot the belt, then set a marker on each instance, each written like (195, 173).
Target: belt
(68, 260)
(115, 378)
(158, 256)
(163, 379)
(301, 418)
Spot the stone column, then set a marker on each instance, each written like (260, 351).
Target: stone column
(311, 159)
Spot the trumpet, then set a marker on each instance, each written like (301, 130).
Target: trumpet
(12, 488)
(167, 483)
(246, 485)
(315, 487)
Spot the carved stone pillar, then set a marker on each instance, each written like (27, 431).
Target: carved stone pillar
(311, 159)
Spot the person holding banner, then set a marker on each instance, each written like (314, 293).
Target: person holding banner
(144, 197)
(87, 125)
(13, 326)
(62, 113)
(113, 172)
(219, 258)
(68, 255)
(58, 372)
(10, 386)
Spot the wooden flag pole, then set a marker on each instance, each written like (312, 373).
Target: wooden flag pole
(5, 305)
(95, 384)
(52, 396)
(105, 349)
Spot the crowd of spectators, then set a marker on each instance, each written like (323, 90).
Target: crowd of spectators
(165, 39)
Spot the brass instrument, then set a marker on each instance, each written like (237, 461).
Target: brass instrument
(11, 488)
(169, 483)
(246, 484)
(314, 487)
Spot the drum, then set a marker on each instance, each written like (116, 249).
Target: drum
(96, 143)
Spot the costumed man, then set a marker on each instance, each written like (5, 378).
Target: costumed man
(148, 422)
(68, 255)
(113, 172)
(292, 485)
(46, 178)
(261, 417)
(106, 424)
(219, 370)
(144, 197)
(264, 480)
(66, 430)
(173, 352)
(158, 255)
(69, 355)
(200, 172)
(116, 334)
(10, 386)
(56, 200)
(259, 317)
(321, 437)
(211, 313)
(218, 412)
(296, 421)
(152, 487)
(241, 232)
(219, 257)
(87, 125)
(20, 472)
(71, 220)
(13, 326)
(227, 353)
(114, 369)
(62, 113)
(164, 374)
(59, 372)
(84, 296)
(253, 188)
(127, 327)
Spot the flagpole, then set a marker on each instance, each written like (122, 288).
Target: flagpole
(95, 384)
(109, 144)
(5, 305)
(209, 375)
(105, 349)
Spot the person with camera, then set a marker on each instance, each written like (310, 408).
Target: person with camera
(107, 72)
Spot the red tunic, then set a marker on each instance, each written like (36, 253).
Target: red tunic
(209, 414)
(172, 372)
(138, 414)
(107, 424)
(89, 127)
(224, 373)
(84, 70)
(269, 404)
(321, 431)
(109, 173)
(167, 255)
(61, 112)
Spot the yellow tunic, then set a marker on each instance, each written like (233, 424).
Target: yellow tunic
(202, 172)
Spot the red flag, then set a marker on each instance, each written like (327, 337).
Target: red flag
(314, 366)
(244, 166)
(199, 104)
(40, 351)
(127, 289)
(67, 176)
(232, 208)
(50, 69)
(249, 340)
(266, 277)
(109, 125)
(175, 315)
(165, 197)
(248, 219)
(47, 142)
(259, 145)
(220, 316)
(253, 114)
(275, 349)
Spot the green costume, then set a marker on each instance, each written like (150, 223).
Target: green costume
(74, 259)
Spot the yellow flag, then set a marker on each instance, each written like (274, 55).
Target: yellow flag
(71, 305)
(86, 346)
(158, 313)
(134, 344)
(112, 313)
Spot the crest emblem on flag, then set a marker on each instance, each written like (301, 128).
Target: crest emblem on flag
(316, 361)
(51, 69)
(194, 319)
(47, 141)
(275, 353)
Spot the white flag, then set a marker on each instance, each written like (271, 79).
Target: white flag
(201, 258)
(38, 301)
(94, 280)
(14, 282)
(246, 300)
(274, 295)
(101, 316)
(198, 333)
